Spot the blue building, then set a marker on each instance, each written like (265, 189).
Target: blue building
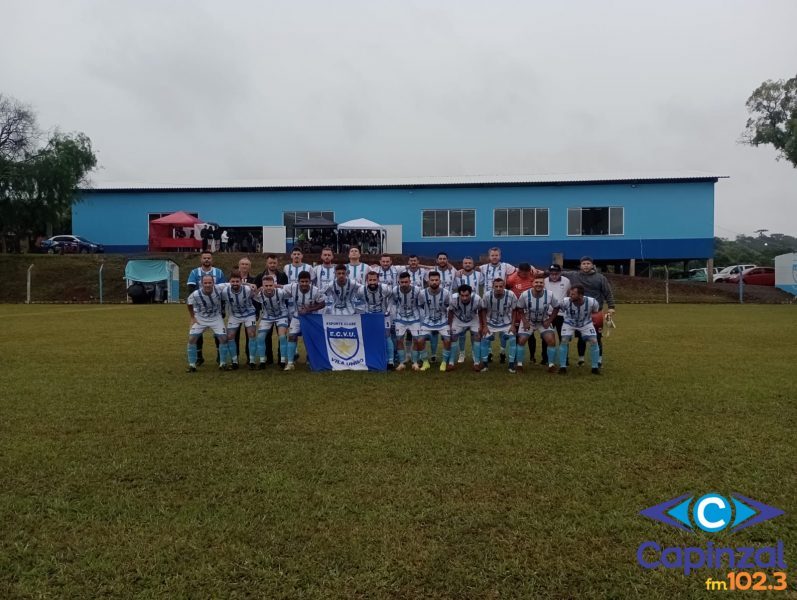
(530, 219)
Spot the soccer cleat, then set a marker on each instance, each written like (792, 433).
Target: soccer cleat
(450, 367)
(443, 366)
(191, 369)
(483, 368)
(416, 367)
(391, 366)
(596, 371)
(433, 359)
(512, 368)
(222, 367)
(289, 367)
(580, 362)
(261, 366)
(252, 366)
(490, 357)
(401, 367)
(502, 359)
(425, 366)
(235, 366)
(562, 370)
(461, 358)
(551, 368)
(200, 361)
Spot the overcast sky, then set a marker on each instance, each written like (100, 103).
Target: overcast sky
(196, 91)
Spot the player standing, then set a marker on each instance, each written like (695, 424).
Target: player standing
(194, 280)
(296, 266)
(325, 272)
(355, 268)
(388, 273)
(492, 270)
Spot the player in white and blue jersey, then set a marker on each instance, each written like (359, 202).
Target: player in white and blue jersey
(325, 272)
(494, 269)
(537, 308)
(416, 272)
(433, 302)
(344, 296)
(471, 276)
(205, 308)
(378, 299)
(356, 269)
(194, 281)
(238, 297)
(297, 266)
(407, 318)
(303, 298)
(577, 310)
(275, 313)
(498, 317)
(447, 274)
(387, 271)
(463, 316)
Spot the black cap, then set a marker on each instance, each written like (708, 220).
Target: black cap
(589, 258)
(555, 268)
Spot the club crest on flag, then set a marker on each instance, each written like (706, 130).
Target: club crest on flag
(344, 342)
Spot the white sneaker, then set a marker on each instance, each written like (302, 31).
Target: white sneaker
(461, 358)
(416, 367)
(401, 367)
(289, 367)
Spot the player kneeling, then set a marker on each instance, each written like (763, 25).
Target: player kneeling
(204, 306)
(578, 310)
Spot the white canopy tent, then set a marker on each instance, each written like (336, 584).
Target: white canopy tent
(365, 225)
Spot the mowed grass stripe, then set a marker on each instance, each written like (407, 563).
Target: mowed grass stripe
(123, 476)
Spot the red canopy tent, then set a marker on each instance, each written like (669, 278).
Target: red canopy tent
(162, 234)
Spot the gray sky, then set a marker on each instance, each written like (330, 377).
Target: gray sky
(186, 91)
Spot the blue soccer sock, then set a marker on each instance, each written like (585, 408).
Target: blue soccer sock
(253, 349)
(402, 356)
(551, 355)
(520, 354)
(423, 355)
(223, 352)
(486, 343)
(564, 347)
(594, 354)
(511, 346)
(503, 341)
(435, 338)
(192, 355)
(462, 342)
(447, 355)
(291, 347)
(414, 356)
(389, 349)
(232, 350)
(284, 348)
(476, 348)
(261, 345)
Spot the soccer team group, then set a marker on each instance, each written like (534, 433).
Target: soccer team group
(422, 305)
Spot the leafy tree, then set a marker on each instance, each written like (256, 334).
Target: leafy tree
(773, 117)
(38, 182)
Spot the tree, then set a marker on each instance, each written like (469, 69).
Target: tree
(38, 183)
(773, 118)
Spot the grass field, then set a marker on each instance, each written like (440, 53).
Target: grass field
(121, 476)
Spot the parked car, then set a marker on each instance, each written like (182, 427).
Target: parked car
(700, 274)
(723, 275)
(756, 276)
(70, 244)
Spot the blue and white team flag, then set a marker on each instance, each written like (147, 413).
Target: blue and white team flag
(345, 342)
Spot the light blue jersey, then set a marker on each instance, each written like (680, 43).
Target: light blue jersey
(207, 307)
(473, 279)
(293, 271)
(406, 305)
(499, 311)
(346, 299)
(378, 300)
(275, 307)
(388, 276)
(358, 272)
(195, 276)
(239, 303)
(537, 308)
(324, 276)
(579, 316)
(434, 307)
(447, 277)
(465, 313)
(491, 272)
(299, 299)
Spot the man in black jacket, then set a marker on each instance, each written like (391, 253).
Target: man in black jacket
(272, 268)
(595, 286)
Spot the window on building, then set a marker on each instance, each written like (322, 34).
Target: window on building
(520, 221)
(595, 220)
(289, 219)
(449, 223)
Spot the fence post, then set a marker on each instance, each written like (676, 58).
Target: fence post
(27, 300)
(741, 288)
(102, 264)
(666, 284)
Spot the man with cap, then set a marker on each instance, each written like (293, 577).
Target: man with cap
(559, 288)
(595, 286)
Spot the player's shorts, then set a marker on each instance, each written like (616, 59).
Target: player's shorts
(493, 329)
(295, 327)
(441, 328)
(460, 327)
(586, 331)
(403, 328)
(217, 325)
(538, 327)
(266, 324)
(388, 323)
(235, 322)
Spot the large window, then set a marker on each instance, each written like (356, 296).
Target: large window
(603, 220)
(520, 221)
(290, 219)
(449, 223)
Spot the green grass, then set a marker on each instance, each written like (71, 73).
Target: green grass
(121, 476)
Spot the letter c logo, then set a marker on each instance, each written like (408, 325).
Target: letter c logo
(712, 513)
